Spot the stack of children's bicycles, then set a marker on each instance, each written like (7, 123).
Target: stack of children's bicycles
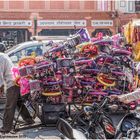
(78, 71)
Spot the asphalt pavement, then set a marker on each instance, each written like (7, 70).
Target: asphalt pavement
(44, 132)
(35, 131)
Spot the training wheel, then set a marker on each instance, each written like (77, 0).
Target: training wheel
(106, 80)
(26, 61)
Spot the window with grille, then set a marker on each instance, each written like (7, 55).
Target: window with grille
(137, 5)
(103, 5)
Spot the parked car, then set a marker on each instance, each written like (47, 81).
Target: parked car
(37, 47)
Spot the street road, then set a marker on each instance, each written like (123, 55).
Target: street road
(43, 132)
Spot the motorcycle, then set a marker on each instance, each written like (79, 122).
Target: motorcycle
(129, 127)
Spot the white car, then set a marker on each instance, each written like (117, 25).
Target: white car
(31, 47)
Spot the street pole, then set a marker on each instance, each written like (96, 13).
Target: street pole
(117, 25)
(35, 26)
(117, 21)
(75, 28)
(115, 17)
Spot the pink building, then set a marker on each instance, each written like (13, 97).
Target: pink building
(50, 17)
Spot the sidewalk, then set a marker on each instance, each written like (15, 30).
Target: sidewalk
(33, 133)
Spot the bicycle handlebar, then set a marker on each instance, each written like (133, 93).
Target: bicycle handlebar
(103, 103)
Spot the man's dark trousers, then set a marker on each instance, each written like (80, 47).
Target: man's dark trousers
(13, 100)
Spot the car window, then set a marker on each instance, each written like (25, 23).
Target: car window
(35, 50)
(15, 57)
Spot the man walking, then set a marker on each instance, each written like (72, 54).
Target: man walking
(2, 47)
(12, 95)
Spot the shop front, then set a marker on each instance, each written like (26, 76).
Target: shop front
(19, 27)
(60, 27)
(64, 24)
(13, 32)
(102, 26)
(57, 32)
(11, 37)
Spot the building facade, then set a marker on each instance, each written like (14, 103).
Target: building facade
(21, 19)
(50, 17)
(127, 10)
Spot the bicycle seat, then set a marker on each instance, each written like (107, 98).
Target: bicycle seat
(98, 93)
(90, 71)
(121, 52)
(44, 66)
(52, 82)
(111, 92)
(59, 48)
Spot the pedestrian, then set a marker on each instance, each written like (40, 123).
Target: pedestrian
(12, 95)
(2, 47)
(127, 98)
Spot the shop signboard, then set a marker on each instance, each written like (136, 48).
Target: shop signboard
(102, 23)
(16, 23)
(61, 23)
